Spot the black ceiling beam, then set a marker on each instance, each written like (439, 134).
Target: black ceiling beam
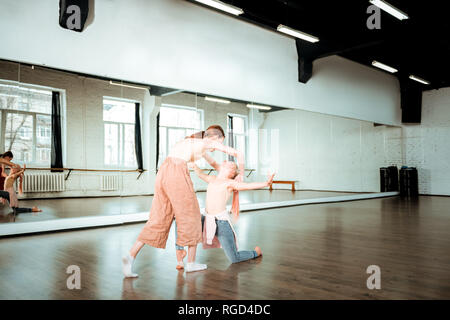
(308, 52)
(162, 91)
(410, 99)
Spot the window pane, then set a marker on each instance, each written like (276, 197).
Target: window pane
(129, 151)
(179, 117)
(43, 139)
(168, 117)
(238, 125)
(111, 144)
(175, 135)
(25, 99)
(19, 136)
(118, 111)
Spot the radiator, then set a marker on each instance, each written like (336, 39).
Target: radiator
(109, 183)
(43, 182)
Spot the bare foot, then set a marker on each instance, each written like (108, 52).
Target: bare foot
(36, 209)
(258, 251)
(180, 256)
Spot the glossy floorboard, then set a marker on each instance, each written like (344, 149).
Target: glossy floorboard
(83, 207)
(309, 252)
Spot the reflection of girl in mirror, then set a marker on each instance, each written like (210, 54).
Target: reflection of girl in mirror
(9, 187)
(5, 159)
(174, 197)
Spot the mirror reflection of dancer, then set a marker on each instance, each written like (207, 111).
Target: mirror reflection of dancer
(218, 230)
(5, 159)
(11, 193)
(175, 197)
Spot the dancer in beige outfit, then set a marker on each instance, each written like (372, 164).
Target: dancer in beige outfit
(174, 197)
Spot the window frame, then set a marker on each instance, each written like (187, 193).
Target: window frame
(63, 111)
(174, 106)
(245, 135)
(120, 138)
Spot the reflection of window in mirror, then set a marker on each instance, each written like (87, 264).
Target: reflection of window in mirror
(26, 124)
(177, 122)
(237, 132)
(118, 121)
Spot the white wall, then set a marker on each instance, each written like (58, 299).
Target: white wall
(178, 44)
(326, 152)
(427, 145)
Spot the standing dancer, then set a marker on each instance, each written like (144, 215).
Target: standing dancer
(175, 198)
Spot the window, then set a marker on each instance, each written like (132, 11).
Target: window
(239, 132)
(118, 119)
(25, 112)
(175, 123)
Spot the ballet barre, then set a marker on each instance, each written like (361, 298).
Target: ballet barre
(88, 170)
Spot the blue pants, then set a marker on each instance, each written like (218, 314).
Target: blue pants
(226, 238)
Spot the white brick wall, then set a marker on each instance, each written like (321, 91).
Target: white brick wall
(327, 152)
(427, 146)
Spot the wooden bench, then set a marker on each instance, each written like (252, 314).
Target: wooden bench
(292, 183)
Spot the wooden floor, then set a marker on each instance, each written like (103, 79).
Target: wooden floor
(309, 252)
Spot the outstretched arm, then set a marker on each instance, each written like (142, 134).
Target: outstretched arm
(201, 174)
(19, 173)
(9, 163)
(211, 161)
(240, 186)
(232, 152)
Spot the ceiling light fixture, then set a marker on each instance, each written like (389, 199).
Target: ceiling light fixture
(126, 85)
(413, 77)
(389, 8)
(222, 6)
(217, 100)
(255, 106)
(297, 34)
(383, 66)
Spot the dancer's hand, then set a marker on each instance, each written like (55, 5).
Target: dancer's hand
(270, 179)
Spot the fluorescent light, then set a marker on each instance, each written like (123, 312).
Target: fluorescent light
(389, 8)
(217, 100)
(383, 66)
(254, 106)
(413, 77)
(297, 34)
(222, 6)
(126, 85)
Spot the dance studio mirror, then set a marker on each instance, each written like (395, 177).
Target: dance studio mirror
(92, 146)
